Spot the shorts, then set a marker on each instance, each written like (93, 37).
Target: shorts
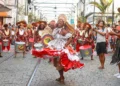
(101, 48)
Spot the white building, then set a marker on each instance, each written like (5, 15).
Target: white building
(90, 9)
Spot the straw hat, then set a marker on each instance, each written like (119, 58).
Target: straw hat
(29, 26)
(23, 23)
(43, 22)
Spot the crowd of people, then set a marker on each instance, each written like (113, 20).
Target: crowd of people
(66, 42)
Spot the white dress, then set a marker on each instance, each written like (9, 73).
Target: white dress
(67, 59)
(59, 40)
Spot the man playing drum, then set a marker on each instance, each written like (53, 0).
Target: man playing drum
(6, 38)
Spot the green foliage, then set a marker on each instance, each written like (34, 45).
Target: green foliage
(32, 18)
(21, 10)
(82, 19)
(103, 5)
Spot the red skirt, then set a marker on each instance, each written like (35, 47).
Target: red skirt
(64, 60)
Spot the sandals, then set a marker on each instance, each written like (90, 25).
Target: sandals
(60, 80)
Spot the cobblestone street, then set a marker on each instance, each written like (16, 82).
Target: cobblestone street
(17, 71)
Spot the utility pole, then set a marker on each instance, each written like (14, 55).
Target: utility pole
(113, 13)
(84, 8)
(94, 16)
(16, 2)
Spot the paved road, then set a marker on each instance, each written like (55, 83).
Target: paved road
(17, 71)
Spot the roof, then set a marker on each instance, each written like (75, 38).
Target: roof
(4, 8)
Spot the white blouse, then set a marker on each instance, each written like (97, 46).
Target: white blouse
(59, 40)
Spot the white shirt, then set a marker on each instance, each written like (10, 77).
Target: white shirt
(101, 38)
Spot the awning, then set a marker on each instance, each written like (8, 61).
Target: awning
(4, 8)
(4, 15)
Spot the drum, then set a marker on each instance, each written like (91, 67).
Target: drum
(86, 50)
(19, 46)
(46, 39)
(31, 40)
(5, 42)
(81, 41)
(38, 46)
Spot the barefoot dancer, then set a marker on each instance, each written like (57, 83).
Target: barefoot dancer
(64, 56)
(101, 42)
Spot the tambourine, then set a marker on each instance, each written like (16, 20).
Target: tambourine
(46, 39)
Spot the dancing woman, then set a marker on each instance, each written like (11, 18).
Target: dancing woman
(65, 57)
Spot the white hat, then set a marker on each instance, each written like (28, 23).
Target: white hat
(62, 17)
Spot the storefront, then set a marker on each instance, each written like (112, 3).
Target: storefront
(3, 13)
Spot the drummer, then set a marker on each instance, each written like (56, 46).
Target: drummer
(6, 36)
(21, 33)
(88, 37)
(13, 35)
(40, 32)
(80, 34)
(30, 36)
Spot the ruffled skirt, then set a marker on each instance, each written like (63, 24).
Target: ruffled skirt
(67, 57)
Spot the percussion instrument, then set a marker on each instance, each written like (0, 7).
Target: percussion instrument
(31, 40)
(5, 42)
(86, 50)
(81, 41)
(46, 39)
(19, 46)
(38, 46)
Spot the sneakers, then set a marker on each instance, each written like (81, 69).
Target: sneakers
(117, 75)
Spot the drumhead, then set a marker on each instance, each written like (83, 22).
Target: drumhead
(19, 42)
(5, 40)
(38, 45)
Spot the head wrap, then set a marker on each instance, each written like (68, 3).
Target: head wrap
(62, 17)
(52, 22)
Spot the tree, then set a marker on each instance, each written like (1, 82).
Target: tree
(118, 14)
(102, 6)
(84, 18)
